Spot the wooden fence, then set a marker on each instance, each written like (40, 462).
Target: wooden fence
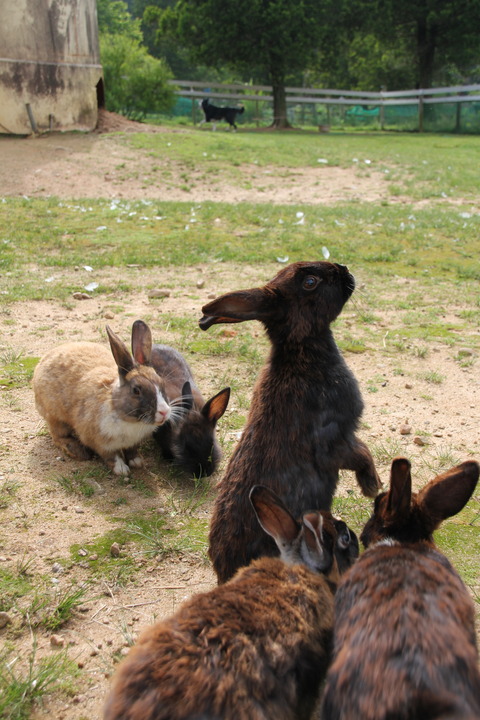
(458, 94)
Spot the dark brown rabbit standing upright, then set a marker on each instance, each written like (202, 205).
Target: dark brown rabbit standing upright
(305, 409)
(405, 646)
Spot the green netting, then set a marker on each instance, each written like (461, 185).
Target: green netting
(437, 117)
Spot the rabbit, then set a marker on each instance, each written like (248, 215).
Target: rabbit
(305, 408)
(405, 645)
(255, 648)
(92, 401)
(188, 439)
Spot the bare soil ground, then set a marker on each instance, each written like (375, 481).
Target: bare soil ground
(44, 519)
(101, 165)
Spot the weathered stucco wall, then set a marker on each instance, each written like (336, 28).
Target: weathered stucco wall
(49, 65)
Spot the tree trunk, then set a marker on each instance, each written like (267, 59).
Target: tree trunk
(426, 47)
(280, 121)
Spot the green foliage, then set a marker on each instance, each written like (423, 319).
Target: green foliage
(269, 38)
(136, 83)
(23, 681)
(16, 369)
(114, 19)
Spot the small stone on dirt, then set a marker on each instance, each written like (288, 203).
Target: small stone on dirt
(115, 550)
(157, 293)
(405, 429)
(81, 296)
(57, 641)
(57, 568)
(419, 441)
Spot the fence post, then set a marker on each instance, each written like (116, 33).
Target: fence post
(382, 108)
(420, 111)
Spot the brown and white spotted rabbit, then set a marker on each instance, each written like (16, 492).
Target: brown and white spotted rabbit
(405, 645)
(305, 408)
(255, 648)
(94, 399)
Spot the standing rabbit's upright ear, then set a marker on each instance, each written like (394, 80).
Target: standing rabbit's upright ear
(141, 342)
(400, 493)
(447, 494)
(121, 355)
(216, 406)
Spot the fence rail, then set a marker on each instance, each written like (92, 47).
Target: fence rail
(457, 94)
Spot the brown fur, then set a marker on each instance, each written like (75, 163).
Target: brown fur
(304, 411)
(102, 401)
(405, 645)
(255, 648)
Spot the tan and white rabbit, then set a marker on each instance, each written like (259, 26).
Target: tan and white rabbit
(405, 645)
(92, 401)
(255, 648)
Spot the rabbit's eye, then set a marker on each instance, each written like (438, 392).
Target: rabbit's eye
(310, 282)
(136, 390)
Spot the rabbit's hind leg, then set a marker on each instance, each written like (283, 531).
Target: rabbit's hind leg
(62, 435)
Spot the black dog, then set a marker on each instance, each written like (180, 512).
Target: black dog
(212, 112)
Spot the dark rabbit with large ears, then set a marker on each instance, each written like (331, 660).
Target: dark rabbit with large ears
(188, 438)
(102, 401)
(255, 648)
(305, 408)
(405, 644)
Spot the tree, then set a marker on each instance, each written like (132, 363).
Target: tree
(136, 83)
(273, 38)
(439, 32)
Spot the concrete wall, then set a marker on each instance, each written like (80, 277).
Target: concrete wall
(49, 65)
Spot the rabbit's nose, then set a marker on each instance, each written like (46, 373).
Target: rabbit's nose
(162, 415)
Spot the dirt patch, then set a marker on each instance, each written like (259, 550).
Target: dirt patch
(102, 165)
(44, 516)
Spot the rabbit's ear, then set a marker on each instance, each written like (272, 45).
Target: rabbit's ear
(141, 342)
(273, 516)
(448, 493)
(122, 357)
(187, 397)
(400, 494)
(313, 523)
(234, 307)
(216, 406)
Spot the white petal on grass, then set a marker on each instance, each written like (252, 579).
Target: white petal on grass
(91, 286)
(325, 252)
(282, 259)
